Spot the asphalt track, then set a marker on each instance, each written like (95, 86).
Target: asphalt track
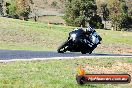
(14, 55)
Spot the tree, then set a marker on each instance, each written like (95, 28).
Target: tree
(23, 8)
(78, 12)
(130, 12)
(126, 21)
(118, 13)
(12, 9)
(96, 22)
(105, 12)
(19, 9)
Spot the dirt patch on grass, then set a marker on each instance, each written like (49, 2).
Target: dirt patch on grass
(119, 67)
(115, 48)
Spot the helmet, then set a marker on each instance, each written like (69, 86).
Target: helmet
(75, 29)
(89, 29)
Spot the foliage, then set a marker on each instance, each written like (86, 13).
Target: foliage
(96, 22)
(126, 23)
(19, 8)
(102, 9)
(105, 11)
(130, 12)
(12, 9)
(118, 13)
(78, 12)
(23, 8)
(54, 4)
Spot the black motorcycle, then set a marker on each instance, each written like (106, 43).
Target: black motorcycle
(79, 41)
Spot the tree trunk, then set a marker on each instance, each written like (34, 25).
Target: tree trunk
(105, 24)
(83, 23)
(35, 18)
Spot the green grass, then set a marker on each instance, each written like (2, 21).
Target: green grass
(52, 73)
(116, 37)
(27, 35)
(16, 34)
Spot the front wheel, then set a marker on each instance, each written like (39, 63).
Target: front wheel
(63, 47)
(90, 52)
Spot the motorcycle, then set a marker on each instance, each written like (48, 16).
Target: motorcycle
(79, 41)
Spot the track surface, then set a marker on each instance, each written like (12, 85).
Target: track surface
(28, 55)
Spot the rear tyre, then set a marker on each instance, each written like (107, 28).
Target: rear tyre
(62, 48)
(83, 52)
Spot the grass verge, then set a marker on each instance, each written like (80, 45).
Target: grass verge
(27, 35)
(60, 73)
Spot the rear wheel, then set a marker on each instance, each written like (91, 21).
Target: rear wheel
(83, 52)
(63, 47)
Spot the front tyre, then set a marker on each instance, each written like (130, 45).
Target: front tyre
(90, 52)
(63, 47)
